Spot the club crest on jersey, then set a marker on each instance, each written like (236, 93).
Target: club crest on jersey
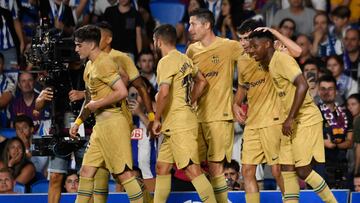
(215, 59)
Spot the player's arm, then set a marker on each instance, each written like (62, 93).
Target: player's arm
(162, 100)
(293, 48)
(119, 92)
(238, 112)
(199, 86)
(124, 76)
(300, 93)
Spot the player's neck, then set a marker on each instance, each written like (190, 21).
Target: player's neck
(208, 39)
(94, 54)
(268, 58)
(107, 49)
(166, 49)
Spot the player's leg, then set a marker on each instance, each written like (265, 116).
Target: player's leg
(101, 185)
(132, 187)
(219, 136)
(308, 144)
(163, 181)
(252, 154)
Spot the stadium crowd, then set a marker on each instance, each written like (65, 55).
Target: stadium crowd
(325, 31)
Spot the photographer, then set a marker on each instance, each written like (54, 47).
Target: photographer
(338, 135)
(67, 102)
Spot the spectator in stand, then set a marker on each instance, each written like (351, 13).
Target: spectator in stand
(24, 102)
(302, 16)
(353, 5)
(71, 181)
(183, 26)
(126, 23)
(305, 43)
(14, 158)
(351, 54)
(311, 72)
(287, 27)
(7, 182)
(7, 91)
(81, 10)
(146, 64)
(357, 183)
(340, 16)
(232, 15)
(324, 44)
(11, 41)
(215, 7)
(346, 86)
(353, 104)
(338, 134)
(29, 16)
(232, 174)
(319, 5)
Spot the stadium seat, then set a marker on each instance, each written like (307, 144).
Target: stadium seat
(181, 48)
(269, 184)
(167, 12)
(40, 186)
(19, 188)
(8, 132)
(112, 186)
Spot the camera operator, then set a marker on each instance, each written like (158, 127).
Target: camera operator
(58, 166)
(338, 135)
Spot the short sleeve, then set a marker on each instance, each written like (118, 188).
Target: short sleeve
(236, 49)
(108, 73)
(165, 72)
(287, 67)
(130, 68)
(243, 62)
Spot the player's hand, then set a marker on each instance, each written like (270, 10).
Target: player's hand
(46, 94)
(75, 95)
(149, 130)
(287, 128)
(156, 128)
(73, 131)
(92, 105)
(239, 114)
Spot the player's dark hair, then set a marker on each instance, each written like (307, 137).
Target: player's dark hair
(88, 33)
(249, 25)
(167, 33)
(262, 35)
(327, 78)
(233, 164)
(341, 12)
(105, 26)
(204, 15)
(24, 118)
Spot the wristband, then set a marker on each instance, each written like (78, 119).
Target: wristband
(151, 116)
(78, 121)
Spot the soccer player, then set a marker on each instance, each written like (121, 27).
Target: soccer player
(128, 70)
(180, 85)
(110, 141)
(303, 123)
(215, 58)
(262, 134)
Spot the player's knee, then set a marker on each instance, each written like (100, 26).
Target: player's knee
(216, 168)
(163, 168)
(275, 170)
(303, 172)
(192, 171)
(56, 179)
(248, 171)
(87, 171)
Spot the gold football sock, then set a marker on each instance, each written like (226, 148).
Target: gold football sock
(85, 190)
(101, 185)
(204, 189)
(291, 186)
(133, 190)
(162, 188)
(220, 188)
(252, 197)
(320, 187)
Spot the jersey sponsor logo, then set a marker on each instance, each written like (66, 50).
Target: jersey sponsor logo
(137, 134)
(215, 59)
(212, 74)
(249, 85)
